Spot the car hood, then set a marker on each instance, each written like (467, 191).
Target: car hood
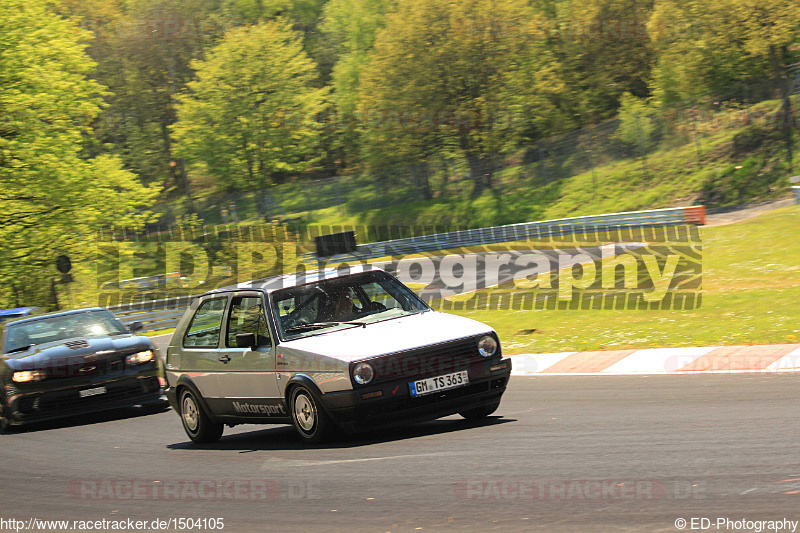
(388, 336)
(58, 353)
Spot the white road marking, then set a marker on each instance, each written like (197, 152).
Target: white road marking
(271, 463)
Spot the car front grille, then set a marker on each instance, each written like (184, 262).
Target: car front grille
(70, 399)
(86, 367)
(427, 361)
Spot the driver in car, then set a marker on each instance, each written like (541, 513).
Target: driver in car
(341, 308)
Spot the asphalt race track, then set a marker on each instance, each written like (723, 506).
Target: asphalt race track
(583, 453)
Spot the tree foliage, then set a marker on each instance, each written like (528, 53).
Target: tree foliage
(603, 49)
(350, 27)
(249, 118)
(716, 50)
(456, 77)
(55, 188)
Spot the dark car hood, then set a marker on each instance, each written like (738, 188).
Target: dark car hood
(59, 354)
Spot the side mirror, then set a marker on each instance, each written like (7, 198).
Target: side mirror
(246, 340)
(133, 327)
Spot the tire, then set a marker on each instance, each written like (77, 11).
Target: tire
(196, 423)
(5, 425)
(480, 412)
(310, 422)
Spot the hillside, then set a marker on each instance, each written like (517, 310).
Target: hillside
(731, 157)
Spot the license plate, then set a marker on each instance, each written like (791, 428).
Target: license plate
(92, 392)
(439, 383)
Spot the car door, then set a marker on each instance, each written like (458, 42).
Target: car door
(198, 351)
(247, 375)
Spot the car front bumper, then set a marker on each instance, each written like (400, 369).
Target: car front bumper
(36, 405)
(391, 402)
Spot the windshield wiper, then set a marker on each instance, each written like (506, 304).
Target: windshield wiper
(20, 348)
(314, 325)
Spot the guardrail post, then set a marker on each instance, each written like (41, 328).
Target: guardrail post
(796, 191)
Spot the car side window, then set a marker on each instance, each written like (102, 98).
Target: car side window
(203, 331)
(247, 316)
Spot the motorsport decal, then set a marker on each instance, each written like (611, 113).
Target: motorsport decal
(260, 407)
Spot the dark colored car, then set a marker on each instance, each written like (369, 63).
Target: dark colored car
(73, 362)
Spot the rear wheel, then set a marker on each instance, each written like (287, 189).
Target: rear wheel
(480, 412)
(196, 423)
(310, 421)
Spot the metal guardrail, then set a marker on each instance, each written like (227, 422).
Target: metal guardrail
(528, 230)
(153, 314)
(152, 320)
(165, 314)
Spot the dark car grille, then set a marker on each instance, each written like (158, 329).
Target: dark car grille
(427, 361)
(70, 400)
(84, 367)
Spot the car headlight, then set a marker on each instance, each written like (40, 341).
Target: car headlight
(139, 358)
(29, 375)
(363, 373)
(487, 346)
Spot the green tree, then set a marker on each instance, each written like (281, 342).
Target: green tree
(248, 119)
(56, 185)
(456, 77)
(143, 49)
(603, 49)
(636, 123)
(350, 27)
(714, 50)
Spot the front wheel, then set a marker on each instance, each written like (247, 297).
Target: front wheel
(480, 412)
(196, 423)
(309, 420)
(5, 425)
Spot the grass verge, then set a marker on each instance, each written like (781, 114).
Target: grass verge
(751, 286)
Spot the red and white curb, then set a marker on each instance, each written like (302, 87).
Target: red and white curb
(716, 359)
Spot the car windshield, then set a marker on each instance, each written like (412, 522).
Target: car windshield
(61, 327)
(349, 301)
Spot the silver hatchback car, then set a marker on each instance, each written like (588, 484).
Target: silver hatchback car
(324, 351)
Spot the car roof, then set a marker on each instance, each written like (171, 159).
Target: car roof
(50, 315)
(274, 283)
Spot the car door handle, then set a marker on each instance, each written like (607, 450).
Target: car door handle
(224, 358)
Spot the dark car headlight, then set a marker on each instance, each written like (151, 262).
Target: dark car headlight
(139, 358)
(27, 376)
(487, 346)
(363, 373)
